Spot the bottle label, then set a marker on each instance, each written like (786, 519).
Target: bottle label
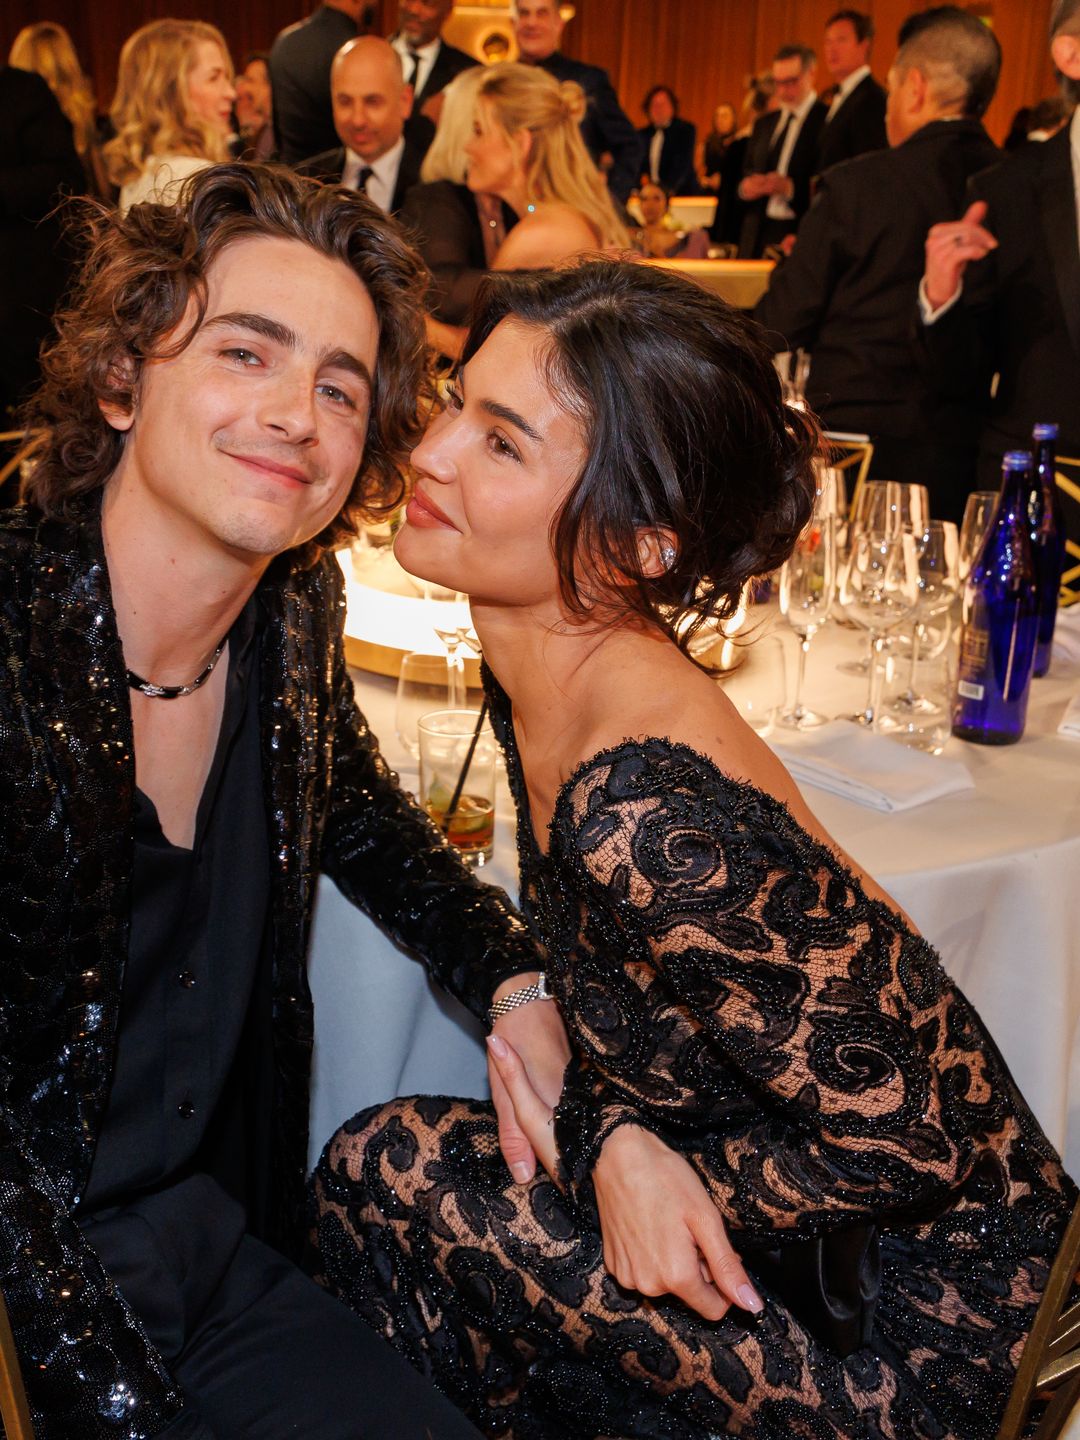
(970, 691)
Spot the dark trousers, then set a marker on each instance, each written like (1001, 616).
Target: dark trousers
(260, 1351)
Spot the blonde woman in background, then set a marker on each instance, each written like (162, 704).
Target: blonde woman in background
(457, 232)
(527, 149)
(46, 49)
(172, 110)
(526, 156)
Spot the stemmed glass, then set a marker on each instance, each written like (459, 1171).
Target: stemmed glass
(937, 555)
(880, 588)
(451, 636)
(807, 584)
(882, 506)
(978, 513)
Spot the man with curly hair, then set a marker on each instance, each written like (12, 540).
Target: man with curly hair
(234, 386)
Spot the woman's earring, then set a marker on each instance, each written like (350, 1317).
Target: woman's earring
(667, 555)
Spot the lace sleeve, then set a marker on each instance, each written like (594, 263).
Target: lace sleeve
(787, 1033)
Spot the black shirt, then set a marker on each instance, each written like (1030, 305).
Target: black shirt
(198, 926)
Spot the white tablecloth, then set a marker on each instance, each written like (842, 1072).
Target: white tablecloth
(991, 877)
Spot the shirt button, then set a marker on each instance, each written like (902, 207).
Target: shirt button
(186, 978)
(185, 1109)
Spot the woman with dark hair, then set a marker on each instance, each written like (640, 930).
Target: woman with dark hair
(791, 1188)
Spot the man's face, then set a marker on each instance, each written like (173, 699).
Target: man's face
(653, 203)
(661, 110)
(420, 21)
(538, 27)
(844, 51)
(371, 102)
(248, 441)
(253, 105)
(793, 83)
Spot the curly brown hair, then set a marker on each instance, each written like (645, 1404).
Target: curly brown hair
(140, 273)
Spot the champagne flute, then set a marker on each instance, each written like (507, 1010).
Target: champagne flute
(807, 583)
(880, 587)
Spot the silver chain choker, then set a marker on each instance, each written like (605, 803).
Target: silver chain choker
(174, 692)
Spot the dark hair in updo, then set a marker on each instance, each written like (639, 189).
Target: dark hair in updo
(685, 428)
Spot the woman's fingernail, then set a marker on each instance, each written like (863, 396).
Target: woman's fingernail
(749, 1299)
(520, 1171)
(498, 1047)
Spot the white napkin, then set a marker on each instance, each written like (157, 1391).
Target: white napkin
(872, 770)
(1067, 633)
(1070, 722)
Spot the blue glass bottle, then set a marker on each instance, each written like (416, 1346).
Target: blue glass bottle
(1047, 540)
(997, 642)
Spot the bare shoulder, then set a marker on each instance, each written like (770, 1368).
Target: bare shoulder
(551, 233)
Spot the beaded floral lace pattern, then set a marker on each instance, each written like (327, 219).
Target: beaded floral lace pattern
(728, 984)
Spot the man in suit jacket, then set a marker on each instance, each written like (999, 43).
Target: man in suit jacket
(846, 294)
(300, 77)
(37, 164)
(1004, 298)
(856, 119)
(606, 128)
(667, 143)
(781, 157)
(428, 61)
(371, 103)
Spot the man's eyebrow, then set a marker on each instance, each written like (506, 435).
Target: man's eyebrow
(503, 412)
(285, 336)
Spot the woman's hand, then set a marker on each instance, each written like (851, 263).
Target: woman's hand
(662, 1233)
(537, 1042)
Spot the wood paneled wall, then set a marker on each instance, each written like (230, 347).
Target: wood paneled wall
(703, 48)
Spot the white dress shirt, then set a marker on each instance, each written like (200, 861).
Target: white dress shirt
(384, 174)
(844, 89)
(778, 208)
(426, 56)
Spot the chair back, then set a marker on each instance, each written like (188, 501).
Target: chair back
(1067, 477)
(14, 1411)
(1050, 1365)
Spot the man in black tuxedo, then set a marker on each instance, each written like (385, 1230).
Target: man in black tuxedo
(855, 123)
(606, 128)
(428, 61)
(371, 103)
(847, 292)
(667, 143)
(37, 164)
(1004, 297)
(300, 77)
(781, 157)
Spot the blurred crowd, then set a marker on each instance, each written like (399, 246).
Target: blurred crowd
(935, 308)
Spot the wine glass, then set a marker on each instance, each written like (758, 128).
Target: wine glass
(978, 513)
(937, 554)
(880, 588)
(423, 685)
(883, 505)
(451, 634)
(807, 583)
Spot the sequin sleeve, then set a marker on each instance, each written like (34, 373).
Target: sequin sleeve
(385, 855)
(731, 964)
(89, 1368)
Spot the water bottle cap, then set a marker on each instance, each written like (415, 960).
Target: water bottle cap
(1047, 431)
(1017, 460)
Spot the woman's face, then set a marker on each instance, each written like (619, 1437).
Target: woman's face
(492, 473)
(210, 88)
(496, 163)
(723, 120)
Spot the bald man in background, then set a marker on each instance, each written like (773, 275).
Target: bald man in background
(371, 103)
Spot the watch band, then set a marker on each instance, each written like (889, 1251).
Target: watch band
(536, 991)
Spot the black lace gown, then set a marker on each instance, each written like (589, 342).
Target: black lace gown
(728, 984)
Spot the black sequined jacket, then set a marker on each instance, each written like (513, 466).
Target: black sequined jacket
(67, 781)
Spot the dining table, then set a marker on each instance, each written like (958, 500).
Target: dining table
(990, 875)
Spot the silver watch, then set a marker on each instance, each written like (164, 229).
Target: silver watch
(536, 991)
